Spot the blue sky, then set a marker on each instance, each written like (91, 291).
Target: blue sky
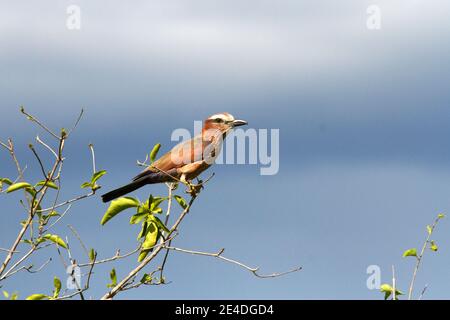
(363, 118)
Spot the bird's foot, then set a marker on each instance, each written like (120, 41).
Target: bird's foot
(194, 189)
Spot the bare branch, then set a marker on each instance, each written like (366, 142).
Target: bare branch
(43, 126)
(219, 256)
(35, 202)
(4, 145)
(46, 146)
(420, 256)
(156, 249)
(76, 122)
(79, 239)
(12, 270)
(10, 148)
(30, 269)
(39, 160)
(90, 194)
(59, 218)
(91, 147)
(117, 256)
(394, 294)
(7, 250)
(86, 287)
(74, 264)
(170, 187)
(423, 291)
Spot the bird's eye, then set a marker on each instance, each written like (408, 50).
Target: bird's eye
(218, 120)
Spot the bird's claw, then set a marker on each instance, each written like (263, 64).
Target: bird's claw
(194, 189)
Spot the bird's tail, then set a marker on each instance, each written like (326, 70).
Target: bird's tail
(116, 193)
(146, 177)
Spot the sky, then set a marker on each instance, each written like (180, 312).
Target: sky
(362, 116)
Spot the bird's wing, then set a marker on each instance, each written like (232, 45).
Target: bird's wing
(183, 153)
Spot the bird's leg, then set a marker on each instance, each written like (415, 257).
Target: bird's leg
(192, 189)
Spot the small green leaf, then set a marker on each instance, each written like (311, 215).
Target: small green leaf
(53, 214)
(441, 215)
(433, 246)
(155, 203)
(45, 218)
(4, 181)
(146, 278)
(159, 223)
(181, 201)
(154, 152)
(92, 255)
(143, 231)
(157, 210)
(56, 239)
(138, 217)
(150, 241)
(142, 255)
(429, 229)
(118, 206)
(18, 186)
(97, 176)
(57, 287)
(38, 241)
(113, 277)
(151, 237)
(410, 253)
(37, 296)
(6, 294)
(49, 184)
(387, 289)
(86, 185)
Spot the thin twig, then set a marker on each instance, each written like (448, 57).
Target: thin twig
(91, 147)
(423, 291)
(12, 270)
(86, 287)
(39, 140)
(90, 194)
(79, 239)
(74, 265)
(30, 269)
(36, 200)
(4, 145)
(76, 122)
(393, 284)
(39, 123)
(59, 218)
(131, 285)
(117, 256)
(219, 256)
(39, 160)
(7, 250)
(170, 187)
(420, 256)
(10, 148)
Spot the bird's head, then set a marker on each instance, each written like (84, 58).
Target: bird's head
(223, 122)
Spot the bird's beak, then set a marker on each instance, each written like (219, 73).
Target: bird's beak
(237, 123)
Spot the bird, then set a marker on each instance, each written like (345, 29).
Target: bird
(185, 161)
